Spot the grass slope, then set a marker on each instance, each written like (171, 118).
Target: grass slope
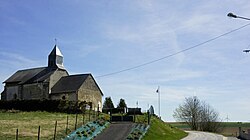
(27, 124)
(160, 130)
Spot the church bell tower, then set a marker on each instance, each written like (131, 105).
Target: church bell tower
(55, 59)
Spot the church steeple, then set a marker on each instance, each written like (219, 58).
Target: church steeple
(55, 59)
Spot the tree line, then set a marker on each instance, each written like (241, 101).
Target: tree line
(108, 105)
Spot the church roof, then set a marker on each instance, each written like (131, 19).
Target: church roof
(22, 76)
(71, 83)
(30, 75)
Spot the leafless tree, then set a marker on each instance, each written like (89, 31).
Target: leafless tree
(209, 120)
(189, 112)
(198, 115)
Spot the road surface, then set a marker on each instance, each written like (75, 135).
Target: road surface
(197, 135)
(116, 131)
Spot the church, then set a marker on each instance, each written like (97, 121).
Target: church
(52, 83)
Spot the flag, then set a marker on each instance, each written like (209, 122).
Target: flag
(158, 89)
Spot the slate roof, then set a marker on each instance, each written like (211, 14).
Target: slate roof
(71, 83)
(23, 76)
(30, 75)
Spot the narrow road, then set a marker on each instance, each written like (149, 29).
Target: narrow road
(197, 135)
(116, 131)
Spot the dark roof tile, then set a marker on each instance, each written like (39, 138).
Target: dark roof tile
(22, 76)
(69, 83)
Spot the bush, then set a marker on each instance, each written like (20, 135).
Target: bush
(43, 105)
(84, 133)
(92, 128)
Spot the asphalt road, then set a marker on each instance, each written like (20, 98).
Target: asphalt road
(196, 135)
(116, 131)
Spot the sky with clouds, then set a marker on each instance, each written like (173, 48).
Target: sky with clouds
(106, 36)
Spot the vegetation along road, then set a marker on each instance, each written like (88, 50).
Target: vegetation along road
(116, 131)
(196, 135)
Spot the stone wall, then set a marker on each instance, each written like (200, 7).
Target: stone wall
(90, 92)
(71, 96)
(35, 91)
(11, 92)
(55, 77)
(244, 135)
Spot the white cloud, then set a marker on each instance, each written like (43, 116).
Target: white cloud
(153, 37)
(15, 60)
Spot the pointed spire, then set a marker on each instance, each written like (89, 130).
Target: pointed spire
(57, 51)
(55, 58)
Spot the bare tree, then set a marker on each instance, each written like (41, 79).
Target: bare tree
(189, 112)
(209, 120)
(198, 115)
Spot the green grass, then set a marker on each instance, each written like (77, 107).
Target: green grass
(160, 130)
(180, 125)
(141, 118)
(27, 124)
(236, 124)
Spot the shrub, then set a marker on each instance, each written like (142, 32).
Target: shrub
(84, 133)
(92, 129)
(42, 105)
(90, 132)
(78, 132)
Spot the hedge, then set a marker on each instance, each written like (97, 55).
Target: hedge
(44, 105)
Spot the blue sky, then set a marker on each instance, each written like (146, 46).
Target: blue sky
(106, 36)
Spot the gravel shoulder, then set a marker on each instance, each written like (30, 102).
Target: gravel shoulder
(116, 131)
(197, 135)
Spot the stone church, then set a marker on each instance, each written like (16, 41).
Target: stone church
(52, 83)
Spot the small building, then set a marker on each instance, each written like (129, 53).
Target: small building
(52, 82)
(80, 87)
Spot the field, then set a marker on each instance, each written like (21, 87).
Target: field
(232, 128)
(27, 124)
(228, 128)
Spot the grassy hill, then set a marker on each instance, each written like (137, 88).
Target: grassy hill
(160, 130)
(27, 124)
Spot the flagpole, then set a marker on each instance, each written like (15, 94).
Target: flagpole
(159, 101)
